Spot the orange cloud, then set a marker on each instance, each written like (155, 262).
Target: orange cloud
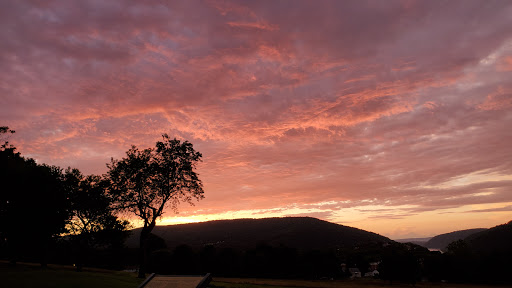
(498, 100)
(505, 65)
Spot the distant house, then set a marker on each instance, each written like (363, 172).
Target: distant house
(354, 272)
(343, 267)
(372, 269)
(373, 273)
(373, 266)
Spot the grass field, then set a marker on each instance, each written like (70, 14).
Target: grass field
(56, 276)
(357, 283)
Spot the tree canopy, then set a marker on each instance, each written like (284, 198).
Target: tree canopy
(39, 203)
(34, 205)
(93, 222)
(91, 205)
(147, 181)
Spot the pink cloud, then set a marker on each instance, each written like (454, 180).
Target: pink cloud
(498, 100)
(505, 64)
(290, 104)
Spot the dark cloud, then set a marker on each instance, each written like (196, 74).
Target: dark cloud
(500, 209)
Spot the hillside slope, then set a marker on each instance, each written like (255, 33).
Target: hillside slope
(417, 241)
(497, 239)
(296, 232)
(441, 241)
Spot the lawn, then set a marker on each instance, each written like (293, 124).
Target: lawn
(356, 283)
(56, 276)
(281, 283)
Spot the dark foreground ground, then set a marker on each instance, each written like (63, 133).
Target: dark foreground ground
(357, 283)
(57, 276)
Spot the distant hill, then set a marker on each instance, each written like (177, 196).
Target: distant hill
(441, 241)
(296, 232)
(493, 240)
(417, 241)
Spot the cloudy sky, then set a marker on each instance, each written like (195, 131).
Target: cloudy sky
(389, 116)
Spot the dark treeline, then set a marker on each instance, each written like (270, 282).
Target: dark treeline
(51, 214)
(398, 262)
(263, 261)
(44, 208)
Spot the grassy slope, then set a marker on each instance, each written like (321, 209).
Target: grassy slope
(26, 275)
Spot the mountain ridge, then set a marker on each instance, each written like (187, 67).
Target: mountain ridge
(441, 241)
(296, 232)
(500, 236)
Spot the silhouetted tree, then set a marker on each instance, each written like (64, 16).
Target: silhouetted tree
(149, 180)
(93, 223)
(208, 259)
(435, 268)
(228, 262)
(34, 204)
(458, 247)
(4, 136)
(160, 258)
(160, 262)
(459, 258)
(39, 203)
(185, 260)
(400, 263)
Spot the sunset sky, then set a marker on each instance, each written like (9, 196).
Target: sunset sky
(389, 116)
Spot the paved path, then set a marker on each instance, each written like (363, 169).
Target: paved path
(164, 281)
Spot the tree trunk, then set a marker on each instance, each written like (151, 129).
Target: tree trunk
(143, 251)
(143, 257)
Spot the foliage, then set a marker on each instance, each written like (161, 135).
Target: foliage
(39, 203)
(34, 203)
(4, 136)
(5, 130)
(400, 263)
(93, 214)
(147, 181)
(93, 223)
(458, 247)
